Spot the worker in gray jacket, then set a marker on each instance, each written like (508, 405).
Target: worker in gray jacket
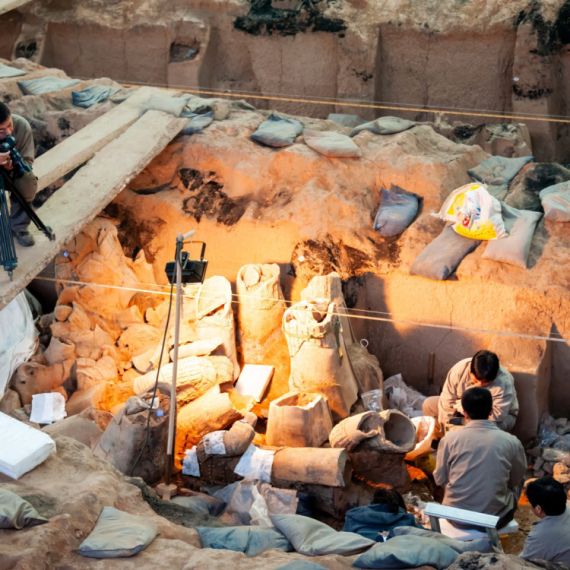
(481, 467)
(549, 538)
(483, 370)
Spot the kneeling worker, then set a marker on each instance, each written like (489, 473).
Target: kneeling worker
(27, 185)
(550, 537)
(481, 467)
(483, 370)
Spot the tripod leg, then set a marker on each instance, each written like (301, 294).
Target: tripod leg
(7, 249)
(28, 209)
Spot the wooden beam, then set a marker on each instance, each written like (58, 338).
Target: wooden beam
(80, 200)
(81, 146)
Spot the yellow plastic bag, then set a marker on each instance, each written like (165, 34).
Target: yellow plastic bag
(475, 213)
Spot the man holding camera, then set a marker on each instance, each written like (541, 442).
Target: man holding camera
(26, 183)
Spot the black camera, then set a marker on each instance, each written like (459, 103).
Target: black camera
(20, 166)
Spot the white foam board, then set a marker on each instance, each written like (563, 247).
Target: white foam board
(254, 379)
(22, 447)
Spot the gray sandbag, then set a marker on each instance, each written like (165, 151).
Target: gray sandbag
(514, 249)
(331, 144)
(443, 255)
(314, 538)
(16, 513)
(118, 535)
(200, 503)
(92, 95)
(277, 131)
(171, 105)
(496, 173)
(301, 565)
(384, 126)
(525, 187)
(45, 85)
(556, 202)
(344, 120)
(8, 71)
(197, 122)
(480, 545)
(396, 212)
(251, 540)
(408, 552)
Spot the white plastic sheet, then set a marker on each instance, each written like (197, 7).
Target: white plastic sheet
(190, 465)
(425, 427)
(402, 397)
(22, 447)
(256, 463)
(48, 408)
(18, 338)
(214, 443)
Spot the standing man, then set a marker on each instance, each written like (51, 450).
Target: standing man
(484, 371)
(481, 467)
(550, 537)
(27, 185)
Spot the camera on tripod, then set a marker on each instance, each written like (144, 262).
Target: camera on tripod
(20, 166)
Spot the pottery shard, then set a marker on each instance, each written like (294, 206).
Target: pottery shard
(210, 412)
(88, 344)
(10, 401)
(397, 434)
(198, 348)
(33, 378)
(61, 312)
(561, 472)
(138, 339)
(89, 373)
(59, 351)
(195, 376)
(127, 317)
(238, 438)
(350, 432)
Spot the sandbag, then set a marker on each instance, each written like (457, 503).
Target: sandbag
(345, 120)
(366, 368)
(171, 105)
(215, 317)
(479, 545)
(200, 503)
(408, 552)
(7, 71)
(396, 212)
(319, 362)
(370, 520)
(118, 535)
(197, 122)
(350, 432)
(16, 513)
(277, 131)
(250, 540)
(331, 144)
(514, 249)
(474, 213)
(92, 95)
(314, 538)
(260, 309)
(496, 173)
(45, 85)
(384, 126)
(443, 255)
(556, 202)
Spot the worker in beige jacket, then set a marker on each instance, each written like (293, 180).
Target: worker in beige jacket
(481, 467)
(483, 370)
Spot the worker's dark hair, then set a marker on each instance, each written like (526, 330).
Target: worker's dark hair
(4, 113)
(389, 497)
(549, 494)
(485, 365)
(477, 403)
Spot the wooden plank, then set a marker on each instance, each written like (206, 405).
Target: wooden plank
(81, 146)
(78, 201)
(7, 5)
(461, 515)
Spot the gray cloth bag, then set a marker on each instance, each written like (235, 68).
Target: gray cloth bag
(16, 513)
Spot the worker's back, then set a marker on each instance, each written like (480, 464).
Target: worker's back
(478, 465)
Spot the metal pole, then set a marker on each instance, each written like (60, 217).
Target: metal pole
(173, 407)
